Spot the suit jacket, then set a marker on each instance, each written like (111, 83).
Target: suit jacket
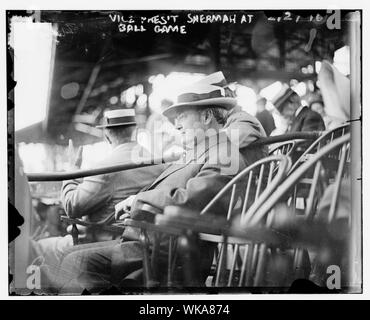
(194, 180)
(307, 120)
(190, 182)
(96, 196)
(266, 120)
(250, 130)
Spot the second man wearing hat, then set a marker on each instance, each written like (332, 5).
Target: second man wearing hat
(300, 118)
(96, 196)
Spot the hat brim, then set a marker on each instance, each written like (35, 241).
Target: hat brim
(226, 103)
(280, 101)
(116, 125)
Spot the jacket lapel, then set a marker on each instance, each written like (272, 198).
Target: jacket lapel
(170, 170)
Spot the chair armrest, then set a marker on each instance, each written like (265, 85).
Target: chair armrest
(151, 212)
(105, 224)
(297, 233)
(148, 226)
(177, 220)
(143, 207)
(144, 211)
(189, 220)
(70, 220)
(106, 221)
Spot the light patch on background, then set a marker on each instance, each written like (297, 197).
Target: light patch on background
(33, 54)
(34, 157)
(246, 98)
(271, 91)
(69, 90)
(94, 153)
(342, 60)
(168, 87)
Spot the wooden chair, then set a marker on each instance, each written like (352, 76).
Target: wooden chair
(339, 147)
(285, 148)
(259, 243)
(325, 138)
(106, 224)
(246, 193)
(301, 190)
(297, 231)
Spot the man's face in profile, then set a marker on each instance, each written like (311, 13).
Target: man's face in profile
(289, 110)
(189, 123)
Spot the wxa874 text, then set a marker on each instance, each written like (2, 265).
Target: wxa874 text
(205, 309)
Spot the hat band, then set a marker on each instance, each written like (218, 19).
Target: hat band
(280, 101)
(120, 120)
(193, 97)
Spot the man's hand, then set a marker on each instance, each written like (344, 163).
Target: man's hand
(81, 229)
(122, 209)
(74, 160)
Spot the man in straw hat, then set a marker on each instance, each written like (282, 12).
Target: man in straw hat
(300, 118)
(94, 197)
(192, 182)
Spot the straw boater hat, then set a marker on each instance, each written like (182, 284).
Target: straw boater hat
(119, 117)
(282, 96)
(209, 91)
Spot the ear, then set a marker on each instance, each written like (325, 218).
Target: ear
(206, 117)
